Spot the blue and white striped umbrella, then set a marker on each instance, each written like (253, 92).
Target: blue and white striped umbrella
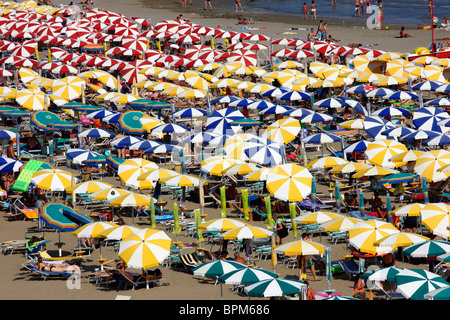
(224, 99)
(420, 135)
(219, 120)
(440, 140)
(445, 88)
(444, 123)
(10, 165)
(427, 85)
(359, 89)
(398, 132)
(316, 117)
(355, 105)
(427, 118)
(330, 103)
(391, 111)
(299, 113)
(190, 113)
(359, 146)
(100, 114)
(261, 105)
(266, 153)
(218, 141)
(78, 155)
(7, 134)
(241, 102)
(144, 145)
(320, 138)
(379, 93)
(295, 96)
(375, 125)
(163, 148)
(403, 95)
(124, 142)
(274, 93)
(277, 109)
(96, 133)
(201, 137)
(112, 118)
(170, 128)
(438, 102)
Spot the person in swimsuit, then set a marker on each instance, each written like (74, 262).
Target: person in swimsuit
(403, 34)
(305, 10)
(357, 8)
(63, 267)
(313, 10)
(208, 2)
(238, 5)
(320, 29)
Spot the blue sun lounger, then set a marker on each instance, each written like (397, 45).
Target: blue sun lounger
(46, 274)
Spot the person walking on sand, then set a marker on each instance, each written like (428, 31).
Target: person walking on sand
(313, 10)
(238, 5)
(208, 2)
(305, 10)
(361, 7)
(356, 8)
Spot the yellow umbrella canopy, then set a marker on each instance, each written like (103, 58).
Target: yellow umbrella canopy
(425, 60)
(366, 64)
(395, 67)
(390, 56)
(88, 187)
(401, 239)
(108, 194)
(370, 77)
(379, 152)
(93, 229)
(289, 182)
(149, 122)
(234, 146)
(390, 81)
(350, 167)
(410, 155)
(157, 174)
(246, 232)
(104, 77)
(435, 217)
(221, 224)
(118, 233)
(131, 169)
(363, 235)
(27, 75)
(31, 99)
(353, 124)
(68, 91)
(338, 82)
(130, 200)
(317, 217)
(374, 171)
(412, 210)
(428, 164)
(300, 247)
(52, 179)
(326, 162)
(434, 73)
(340, 224)
(283, 130)
(216, 165)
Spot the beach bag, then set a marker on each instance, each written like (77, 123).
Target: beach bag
(283, 232)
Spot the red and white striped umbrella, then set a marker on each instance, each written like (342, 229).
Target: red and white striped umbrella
(25, 49)
(247, 57)
(240, 36)
(194, 51)
(95, 62)
(137, 43)
(195, 63)
(24, 35)
(131, 72)
(190, 38)
(297, 43)
(282, 53)
(282, 41)
(19, 61)
(257, 37)
(142, 22)
(126, 31)
(257, 47)
(62, 69)
(305, 46)
(8, 46)
(82, 58)
(129, 52)
(6, 73)
(204, 31)
(49, 65)
(374, 53)
(223, 34)
(57, 52)
(355, 51)
(300, 54)
(325, 48)
(209, 56)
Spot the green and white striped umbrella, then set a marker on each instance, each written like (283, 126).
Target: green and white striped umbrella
(274, 288)
(384, 274)
(339, 298)
(415, 283)
(439, 294)
(217, 268)
(246, 276)
(430, 248)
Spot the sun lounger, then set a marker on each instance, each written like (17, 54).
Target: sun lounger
(350, 267)
(46, 274)
(190, 260)
(9, 247)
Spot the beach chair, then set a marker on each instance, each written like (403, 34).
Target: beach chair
(46, 274)
(190, 260)
(9, 247)
(350, 267)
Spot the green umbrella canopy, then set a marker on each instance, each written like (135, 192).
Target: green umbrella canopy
(148, 104)
(129, 122)
(41, 119)
(396, 178)
(246, 122)
(53, 217)
(414, 284)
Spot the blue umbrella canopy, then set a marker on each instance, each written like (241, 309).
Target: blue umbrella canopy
(78, 155)
(112, 118)
(402, 95)
(320, 138)
(240, 102)
(219, 120)
(96, 133)
(444, 88)
(420, 135)
(276, 110)
(359, 89)
(359, 146)
(163, 148)
(224, 99)
(316, 117)
(375, 125)
(266, 153)
(261, 105)
(440, 140)
(274, 93)
(379, 93)
(7, 134)
(100, 114)
(52, 215)
(10, 165)
(170, 128)
(398, 132)
(438, 102)
(330, 103)
(144, 145)
(201, 137)
(294, 96)
(299, 113)
(95, 161)
(427, 118)
(125, 141)
(190, 113)
(355, 105)
(427, 85)
(129, 122)
(391, 111)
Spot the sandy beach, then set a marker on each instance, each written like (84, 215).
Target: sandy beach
(19, 284)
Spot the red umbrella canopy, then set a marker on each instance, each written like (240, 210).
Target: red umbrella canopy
(142, 22)
(282, 52)
(189, 38)
(124, 30)
(194, 51)
(257, 37)
(204, 31)
(131, 72)
(300, 54)
(246, 57)
(135, 42)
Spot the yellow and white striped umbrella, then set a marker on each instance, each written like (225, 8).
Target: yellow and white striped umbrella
(209, 67)
(246, 232)
(131, 169)
(317, 217)
(340, 224)
(67, 91)
(410, 155)
(241, 169)
(197, 82)
(443, 62)
(401, 239)
(104, 77)
(182, 181)
(221, 224)
(434, 73)
(224, 70)
(390, 56)
(353, 74)
(108, 96)
(304, 82)
(162, 86)
(435, 217)
(379, 152)
(334, 71)
(396, 67)
(125, 98)
(363, 235)
(390, 81)
(259, 88)
(108, 194)
(350, 167)
(317, 67)
(370, 77)
(93, 229)
(412, 210)
(289, 182)
(145, 248)
(58, 100)
(353, 124)
(131, 199)
(283, 130)
(425, 60)
(366, 64)
(300, 247)
(52, 179)
(149, 122)
(146, 84)
(192, 94)
(414, 72)
(224, 83)
(150, 71)
(258, 175)
(326, 162)
(245, 71)
(217, 164)
(27, 75)
(8, 93)
(118, 233)
(374, 171)
(88, 187)
(174, 91)
(338, 82)
(428, 164)
(157, 174)
(31, 99)
(234, 146)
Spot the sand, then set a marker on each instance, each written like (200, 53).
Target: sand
(19, 284)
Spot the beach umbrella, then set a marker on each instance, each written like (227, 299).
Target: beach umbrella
(438, 102)
(289, 182)
(127, 141)
(432, 248)
(246, 57)
(145, 248)
(107, 193)
(129, 122)
(283, 131)
(339, 224)
(274, 288)
(221, 224)
(246, 276)
(398, 132)
(299, 113)
(10, 165)
(435, 217)
(78, 155)
(31, 99)
(353, 124)
(266, 153)
(379, 93)
(444, 88)
(170, 128)
(426, 85)
(144, 145)
(217, 268)
(321, 138)
(241, 169)
(374, 171)
(131, 169)
(52, 179)
(7, 134)
(130, 200)
(326, 162)
(118, 233)
(300, 247)
(96, 133)
(219, 120)
(88, 187)
(317, 217)
(440, 140)
(439, 294)
(428, 164)
(401, 239)
(379, 152)
(203, 137)
(93, 229)
(415, 283)
(420, 135)
(349, 167)
(363, 235)
(100, 114)
(330, 103)
(427, 118)
(360, 146)
(375, 126)
(162, 148)
(52, 216)
(217, 164)
(383, 274)
(258, 175)
(409, 210)
(149, 123)
(391, 112)
(181, 181)
(190, 113)
(246, 232)
(294, 96)
(316, 117)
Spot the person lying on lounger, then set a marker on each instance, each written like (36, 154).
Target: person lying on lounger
(41, 265)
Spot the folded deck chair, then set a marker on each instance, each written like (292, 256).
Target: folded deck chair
(350, 267)
(190, 260)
